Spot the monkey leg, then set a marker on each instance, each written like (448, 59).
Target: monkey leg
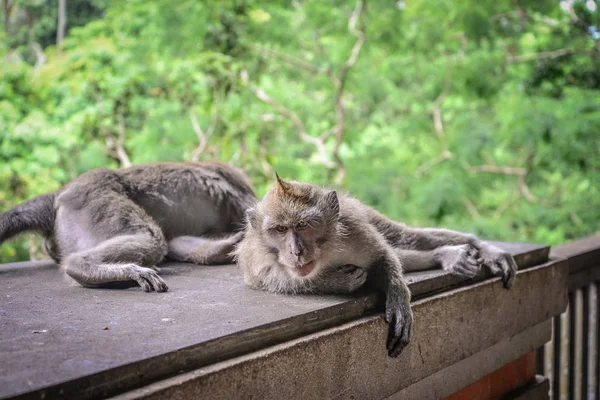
(104, 237)
(203, 250)
(122, 258)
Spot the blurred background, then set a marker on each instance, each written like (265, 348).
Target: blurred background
(482, 116)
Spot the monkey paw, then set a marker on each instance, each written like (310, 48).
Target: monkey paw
(148, 279)
(398, 315)
(499, 262)
(462, 260)
(350, 277)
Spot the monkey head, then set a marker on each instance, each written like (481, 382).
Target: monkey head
(295, 220)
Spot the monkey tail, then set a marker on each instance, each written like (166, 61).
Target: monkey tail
(37, 214)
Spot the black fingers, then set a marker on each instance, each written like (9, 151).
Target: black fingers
(399, 328)
(508, 266)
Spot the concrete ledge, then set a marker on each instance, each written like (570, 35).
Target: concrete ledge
(582, 254)
(351, 361)
(59, 340)
(463, 373)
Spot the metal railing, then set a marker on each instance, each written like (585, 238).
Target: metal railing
(572, 358)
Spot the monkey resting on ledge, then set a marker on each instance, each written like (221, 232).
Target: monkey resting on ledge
(109, 226)
(304, 239)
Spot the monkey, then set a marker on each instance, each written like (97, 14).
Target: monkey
(109, 226)
(301, 238)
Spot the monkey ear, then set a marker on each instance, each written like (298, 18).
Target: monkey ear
(332, 203)
(282, 185)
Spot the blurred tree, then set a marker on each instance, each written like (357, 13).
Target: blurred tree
(479, 115)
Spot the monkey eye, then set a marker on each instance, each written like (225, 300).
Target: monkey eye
(281, 229)
(302, 225)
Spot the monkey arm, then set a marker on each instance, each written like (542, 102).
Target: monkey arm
(432, 238)
(454, 251)
(461, 253)
(461, 260)
(416, 260)
(341, 279)
(203, 250)
(402, 236)
(387, 276)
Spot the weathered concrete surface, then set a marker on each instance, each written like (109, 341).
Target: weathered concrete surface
(208, 312)
(584, 258)
(95, 342)
(583, 253)
(349, 360)
(457, 376)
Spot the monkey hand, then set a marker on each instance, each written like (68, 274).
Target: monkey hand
(469, 260)
(399, 317)
(343, 279)
(499, 262)
(462, 260)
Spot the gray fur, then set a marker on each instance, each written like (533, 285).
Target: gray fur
(344, 242)
(33, 215)
(114, 225)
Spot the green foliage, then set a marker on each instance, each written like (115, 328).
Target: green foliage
(516, 88)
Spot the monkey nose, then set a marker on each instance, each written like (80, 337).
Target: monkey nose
(297, 251)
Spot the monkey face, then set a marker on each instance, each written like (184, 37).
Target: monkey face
(295, 221)
(296, 241)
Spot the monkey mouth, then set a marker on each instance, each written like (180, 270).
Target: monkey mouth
(306, 268)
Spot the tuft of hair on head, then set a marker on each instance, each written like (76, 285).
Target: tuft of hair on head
(292, 190)
(282, 186)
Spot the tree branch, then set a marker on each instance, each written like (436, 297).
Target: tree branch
(289, 59)
(496, 169)
(446, 155)
(525, 189)
(471, 208)
(296, 121)
(40, 56)
(463, 44)
(520, 172)
(120, 142)
(62, 21)
(357, 17)
(356, 26)
(202, 136)
(8, 7)
(542, 55)
(438, 122)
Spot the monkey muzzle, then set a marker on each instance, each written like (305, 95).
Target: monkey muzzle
(305, 269)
